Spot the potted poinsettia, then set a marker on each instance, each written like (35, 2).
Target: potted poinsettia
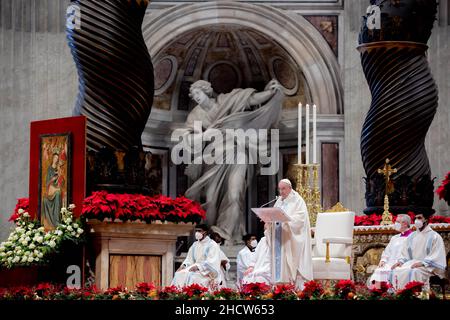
(444, 189)
(255, 291)
(313, 290)
(104, 206)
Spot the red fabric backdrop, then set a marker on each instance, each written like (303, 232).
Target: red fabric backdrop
(77, 127)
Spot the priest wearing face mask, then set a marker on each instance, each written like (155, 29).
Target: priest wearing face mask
(392, 252)
(246, 257)
(202, 263)
(422, 256)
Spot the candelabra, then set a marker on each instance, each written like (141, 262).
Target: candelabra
(309, 188)
(386, 217)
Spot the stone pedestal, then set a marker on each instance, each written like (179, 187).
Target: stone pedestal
(129, 253)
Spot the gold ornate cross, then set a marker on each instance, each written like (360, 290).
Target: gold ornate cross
(387, 171)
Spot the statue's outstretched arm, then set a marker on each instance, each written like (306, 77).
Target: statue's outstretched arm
(260, 97)
(266, 95)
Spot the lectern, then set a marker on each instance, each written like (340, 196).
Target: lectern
(272, 216)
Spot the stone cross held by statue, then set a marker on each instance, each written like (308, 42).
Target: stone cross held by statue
(387, 171)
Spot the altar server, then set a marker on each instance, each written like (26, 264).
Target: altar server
(392, 252)
(422, 257)
(246, 257)
(202, 263)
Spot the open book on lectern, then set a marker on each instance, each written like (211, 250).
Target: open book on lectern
(271, 214)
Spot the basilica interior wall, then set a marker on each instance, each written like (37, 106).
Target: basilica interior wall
(357, 103)
(38, 81)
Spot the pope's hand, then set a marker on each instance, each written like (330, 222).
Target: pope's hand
(248, 271)
(194, 269)
(398, 264)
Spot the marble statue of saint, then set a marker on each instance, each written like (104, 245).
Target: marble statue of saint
(221, 188)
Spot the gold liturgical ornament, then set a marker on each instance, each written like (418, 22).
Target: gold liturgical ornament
(387, 171)
(309, 188)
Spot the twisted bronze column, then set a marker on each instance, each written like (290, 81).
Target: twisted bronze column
(115, 71)
(404, 102)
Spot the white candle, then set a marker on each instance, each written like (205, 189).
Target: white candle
(314, 134)
(299, 151)
(307, 134)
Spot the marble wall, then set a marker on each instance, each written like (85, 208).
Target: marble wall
(38, 81)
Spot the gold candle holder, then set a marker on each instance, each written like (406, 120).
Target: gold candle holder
(306, 181)
(386, 217)
(309, 188)
(299, 183)
(316, 195)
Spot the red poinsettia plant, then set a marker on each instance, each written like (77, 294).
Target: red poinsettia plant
(145, 287)
(380, 291)
(225, 294)
(255, 290)
(284, 292)
(194, 291)
(148, 291)
(312, 290)
(345, 289)
(169, 293)
(129, 207)
(368, 220)
(375, 219)
(443, 190)
(411, 290)
(22, 203)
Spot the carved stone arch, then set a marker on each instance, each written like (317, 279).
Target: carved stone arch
(294, 33)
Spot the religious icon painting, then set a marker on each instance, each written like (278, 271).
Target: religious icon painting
(54, 177)
(57, 168)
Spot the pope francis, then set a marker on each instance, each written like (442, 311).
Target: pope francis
(292, 244)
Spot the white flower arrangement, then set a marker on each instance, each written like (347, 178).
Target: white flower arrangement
(30, 244)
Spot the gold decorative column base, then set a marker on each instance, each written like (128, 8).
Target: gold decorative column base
(309, 189)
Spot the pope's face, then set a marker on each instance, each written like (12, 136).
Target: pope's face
(199, 96)
(284, 190)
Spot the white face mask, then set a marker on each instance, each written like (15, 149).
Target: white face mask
(254, 243)
(397, 226)
(198, 235)
(418, 223)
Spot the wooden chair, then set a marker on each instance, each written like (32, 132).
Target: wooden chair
(442, 282)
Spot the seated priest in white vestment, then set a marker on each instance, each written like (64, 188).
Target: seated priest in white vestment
(292, 246)
(224, 261)
(245, 259)
(261, 271)
(202, 263)
(392, 252)
(422, 256)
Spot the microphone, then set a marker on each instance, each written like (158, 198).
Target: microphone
(265, 204)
